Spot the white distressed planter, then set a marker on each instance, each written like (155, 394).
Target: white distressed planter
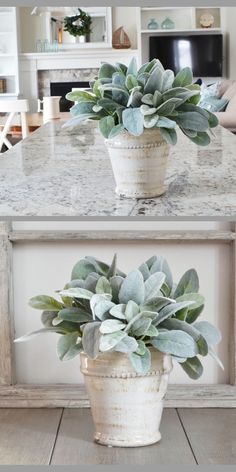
(139, 163)
(126, 406)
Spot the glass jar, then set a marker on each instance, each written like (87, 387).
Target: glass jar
(168, 24)
(152, 24)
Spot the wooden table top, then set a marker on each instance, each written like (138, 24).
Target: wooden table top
(35, 120)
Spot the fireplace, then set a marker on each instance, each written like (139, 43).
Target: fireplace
(59, 82)
(62, 88)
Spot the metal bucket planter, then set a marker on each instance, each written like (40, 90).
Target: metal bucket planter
(139, 163)
(126, 406)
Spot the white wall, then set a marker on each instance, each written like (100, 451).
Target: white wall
(32, 28)
(43, 268)
(126, 17)
(230, 18)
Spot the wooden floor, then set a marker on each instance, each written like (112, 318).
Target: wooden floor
(58, 437)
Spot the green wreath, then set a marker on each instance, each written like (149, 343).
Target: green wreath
(81, 29)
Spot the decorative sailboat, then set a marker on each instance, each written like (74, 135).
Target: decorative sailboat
(120, 39)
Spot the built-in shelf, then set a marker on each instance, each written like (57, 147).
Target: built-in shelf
(161, 8)
(7, 55)
(186, 20)
(8, 94)
(196, 30)
(9, 52)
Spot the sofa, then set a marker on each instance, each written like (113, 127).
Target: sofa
(227, 118)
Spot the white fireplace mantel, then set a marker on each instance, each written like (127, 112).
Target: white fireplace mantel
(31, 63)
(80, 59)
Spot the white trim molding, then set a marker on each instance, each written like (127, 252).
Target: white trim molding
(59, 395)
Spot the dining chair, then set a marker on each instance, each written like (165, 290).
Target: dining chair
(12, 108)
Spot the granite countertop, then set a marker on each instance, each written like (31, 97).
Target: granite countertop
(60, 172)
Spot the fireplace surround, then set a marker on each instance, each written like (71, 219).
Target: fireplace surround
(39, 70)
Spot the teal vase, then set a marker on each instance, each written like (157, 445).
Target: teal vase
(153, 24)
(168, 24)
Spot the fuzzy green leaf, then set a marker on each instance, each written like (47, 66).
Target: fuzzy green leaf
(168, 79)
(43, 302)
(77, 293)
(193, 368)
(132, 288)
(202, 139)
(106, 70)
(192, 120)
(133, 121)
(183, 78)
(109, 341)
(74, 314)
(140, 326)
(210, 333)
(103, 285)
(132, 68)
(111, 326)
(126, 345)
(78, 95)
(47, 318)
(164, 122)
(141, 363)
(82, 269)
(26, 337)
(175, 342)
(153, 285)
(176, 324)
(100, 306)
(131, 310)
(106, 125)
(160, 264)
(169, 135)
(118, 311)
(155, 81)
(68, 346)
(116, 283)
(189, 283)
(116, 130)
(91, 338)
(147, 99)
(83, 107)
(170, 310)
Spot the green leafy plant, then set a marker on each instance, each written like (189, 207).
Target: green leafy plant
(78, 25)
(102, 309)
(132, 99)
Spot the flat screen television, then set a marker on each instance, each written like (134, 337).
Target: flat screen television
(202, 52)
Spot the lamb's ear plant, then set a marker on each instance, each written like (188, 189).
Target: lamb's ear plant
(102, 309)
(132, 99)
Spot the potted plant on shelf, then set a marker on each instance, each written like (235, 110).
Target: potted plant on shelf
(79, 26)
(138, 111)
(127, 329)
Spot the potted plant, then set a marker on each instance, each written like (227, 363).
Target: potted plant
(79, 25)
(138, 112)
(127, 330)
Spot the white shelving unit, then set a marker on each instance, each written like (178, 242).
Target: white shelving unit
(9, 51)
(186, 21)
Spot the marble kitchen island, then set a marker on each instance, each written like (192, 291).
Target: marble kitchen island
(66, 172)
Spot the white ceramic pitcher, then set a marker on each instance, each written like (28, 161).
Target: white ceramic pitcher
(50, 108)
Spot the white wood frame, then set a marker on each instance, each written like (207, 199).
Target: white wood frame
(15, 33)
(13, 107)
(59, 395)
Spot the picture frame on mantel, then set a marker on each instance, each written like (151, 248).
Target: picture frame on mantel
(64, 395)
